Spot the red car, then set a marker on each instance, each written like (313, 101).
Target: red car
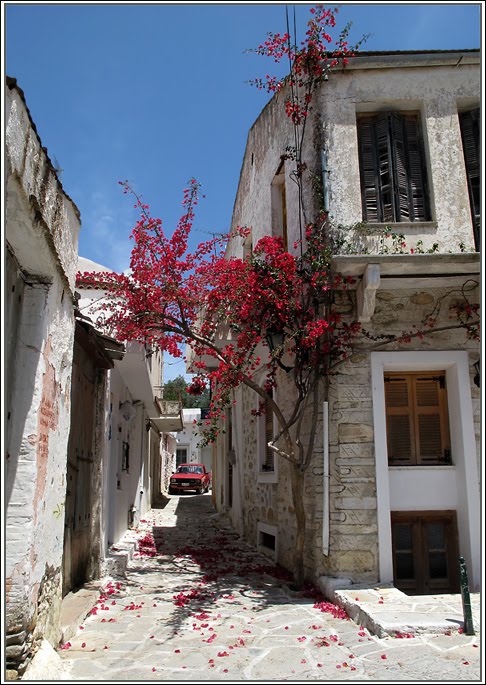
(190, 477)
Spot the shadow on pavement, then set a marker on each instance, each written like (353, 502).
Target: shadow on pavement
(199, 563)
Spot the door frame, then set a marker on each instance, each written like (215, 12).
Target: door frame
(464, 453)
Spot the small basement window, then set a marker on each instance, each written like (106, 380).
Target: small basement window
(267, 540)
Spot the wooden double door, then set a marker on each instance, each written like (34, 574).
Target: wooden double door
(425, 552)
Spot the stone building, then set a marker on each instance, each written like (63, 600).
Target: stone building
(41, 231)
(392, 493)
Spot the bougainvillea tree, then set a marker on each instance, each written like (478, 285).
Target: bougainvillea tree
(254, 320)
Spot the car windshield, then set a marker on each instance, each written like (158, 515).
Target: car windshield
(189, 469)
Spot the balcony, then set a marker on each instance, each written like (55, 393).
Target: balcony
(171, 418)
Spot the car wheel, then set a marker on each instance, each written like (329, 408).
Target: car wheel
(171, 491)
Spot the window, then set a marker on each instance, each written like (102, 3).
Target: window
(279, 206)
(469, 122)
(267, 455)
(125, 456)
(267, 463)
(392, 168)
(229, 458)
(416, 419)
(181, 456)
(247, 246)
(425, 556)
(267, 539)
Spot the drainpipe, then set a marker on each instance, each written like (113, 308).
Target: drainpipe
(325, 495)
(325, 180)
(238, 464)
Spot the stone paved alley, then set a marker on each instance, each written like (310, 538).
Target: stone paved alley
(197, 604)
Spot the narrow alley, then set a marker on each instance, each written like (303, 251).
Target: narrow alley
(199, 604)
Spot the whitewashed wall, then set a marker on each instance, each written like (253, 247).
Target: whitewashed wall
(42, 226)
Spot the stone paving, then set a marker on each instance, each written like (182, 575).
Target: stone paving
(198, 604)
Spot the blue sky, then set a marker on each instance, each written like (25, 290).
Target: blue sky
(157, 93)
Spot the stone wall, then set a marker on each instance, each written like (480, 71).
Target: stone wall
(353, 522)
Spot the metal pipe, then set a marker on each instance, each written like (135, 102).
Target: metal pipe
(325, 479)
(325, 180)
(466, 599)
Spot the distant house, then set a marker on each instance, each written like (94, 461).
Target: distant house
(392, 493)
(187, 441)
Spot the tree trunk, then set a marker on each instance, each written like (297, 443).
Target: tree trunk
(297, 482)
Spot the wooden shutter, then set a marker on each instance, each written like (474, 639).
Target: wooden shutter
(400, 169)
(416, 419)
(392, 166)
(469, 122)
(399, 421)
(431, 425)
(418, 205)
(370, 195)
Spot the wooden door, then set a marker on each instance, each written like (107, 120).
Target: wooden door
(425, 552)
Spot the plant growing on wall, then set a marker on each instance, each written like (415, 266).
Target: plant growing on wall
(275, 308)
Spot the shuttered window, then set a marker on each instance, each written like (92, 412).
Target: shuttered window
(469, 122)
(268, 464)
(279, 206)
(392, 167)
(416, 419)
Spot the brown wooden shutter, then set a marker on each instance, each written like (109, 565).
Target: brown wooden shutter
(399, 421)
(469, 122)
(417, 419)
(431, 426)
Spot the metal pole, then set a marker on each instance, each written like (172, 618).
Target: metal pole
(466, 599)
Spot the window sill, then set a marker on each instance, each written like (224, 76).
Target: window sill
(267, 477)
(419, 467)
(402, 226)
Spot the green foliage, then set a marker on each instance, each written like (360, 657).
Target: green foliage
(176, 389)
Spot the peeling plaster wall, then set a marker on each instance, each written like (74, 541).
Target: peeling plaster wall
(42, 226)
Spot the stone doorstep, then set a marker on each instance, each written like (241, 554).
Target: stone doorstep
(387, 611)
(116, 561)
(75, 607)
